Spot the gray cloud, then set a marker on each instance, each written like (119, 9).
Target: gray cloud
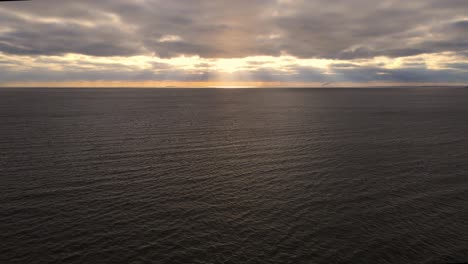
(329, 29)
(213, 29)
(409, 75)
(459, 66)
(163, 72)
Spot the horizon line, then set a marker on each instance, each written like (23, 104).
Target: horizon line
(237, 87)
(218, 84)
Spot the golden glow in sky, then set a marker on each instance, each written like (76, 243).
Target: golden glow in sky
(224, 72)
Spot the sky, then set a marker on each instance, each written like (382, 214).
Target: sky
(225, 43)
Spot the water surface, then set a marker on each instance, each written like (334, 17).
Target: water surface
(234, 176)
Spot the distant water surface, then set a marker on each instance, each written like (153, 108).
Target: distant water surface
(234, 176)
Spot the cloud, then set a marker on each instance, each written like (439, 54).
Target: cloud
(351, 33)
(89, 68)
(306, 29)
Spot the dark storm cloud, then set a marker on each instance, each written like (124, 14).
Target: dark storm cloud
(316, 28)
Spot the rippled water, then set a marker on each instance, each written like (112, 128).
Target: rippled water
(234, 176)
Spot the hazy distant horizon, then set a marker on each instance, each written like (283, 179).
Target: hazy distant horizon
(228, 86)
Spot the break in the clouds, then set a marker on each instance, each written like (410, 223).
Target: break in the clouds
(362, 41)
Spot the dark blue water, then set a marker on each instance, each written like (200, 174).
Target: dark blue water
(234, 176)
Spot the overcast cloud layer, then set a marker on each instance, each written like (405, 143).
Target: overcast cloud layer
(351, 40)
